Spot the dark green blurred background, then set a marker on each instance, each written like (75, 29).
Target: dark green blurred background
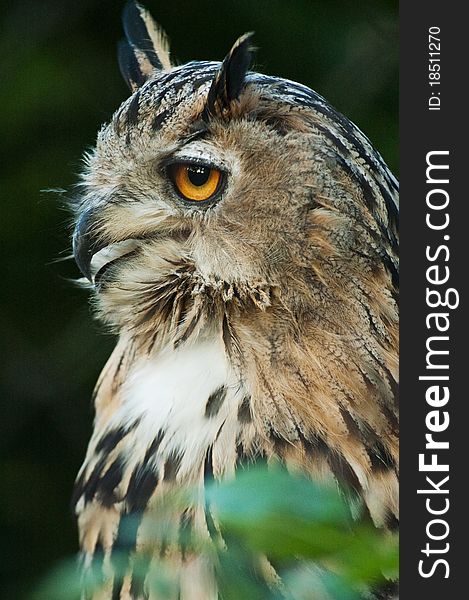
(59, 81)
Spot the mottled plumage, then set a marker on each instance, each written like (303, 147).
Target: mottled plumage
(261, 322)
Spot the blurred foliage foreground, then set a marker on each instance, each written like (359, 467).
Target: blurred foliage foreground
(305, 530)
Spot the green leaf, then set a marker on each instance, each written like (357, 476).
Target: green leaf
(63, 582)
(282, 515)
(259, 492)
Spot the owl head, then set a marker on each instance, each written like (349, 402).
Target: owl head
(223, 189)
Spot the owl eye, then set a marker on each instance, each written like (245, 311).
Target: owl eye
(195, 182)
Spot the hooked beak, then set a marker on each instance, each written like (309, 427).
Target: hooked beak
(93, 253)
(86, 243)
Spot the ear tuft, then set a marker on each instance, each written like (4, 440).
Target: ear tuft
(229, 81)
(146, 48)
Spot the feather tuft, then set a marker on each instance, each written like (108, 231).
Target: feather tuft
(145, 49)
(230, 79)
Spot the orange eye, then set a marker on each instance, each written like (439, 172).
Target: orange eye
(195, 182)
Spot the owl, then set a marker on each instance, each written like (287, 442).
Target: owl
(239, 235)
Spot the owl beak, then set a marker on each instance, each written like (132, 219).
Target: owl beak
(86, 243)
(92, 251)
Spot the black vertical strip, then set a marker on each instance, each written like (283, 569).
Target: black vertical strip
(208, 466)
(123, 546)
(432, 115)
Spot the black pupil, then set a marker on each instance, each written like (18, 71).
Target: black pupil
(198, 175)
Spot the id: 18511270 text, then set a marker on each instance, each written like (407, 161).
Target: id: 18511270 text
(434, 68)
